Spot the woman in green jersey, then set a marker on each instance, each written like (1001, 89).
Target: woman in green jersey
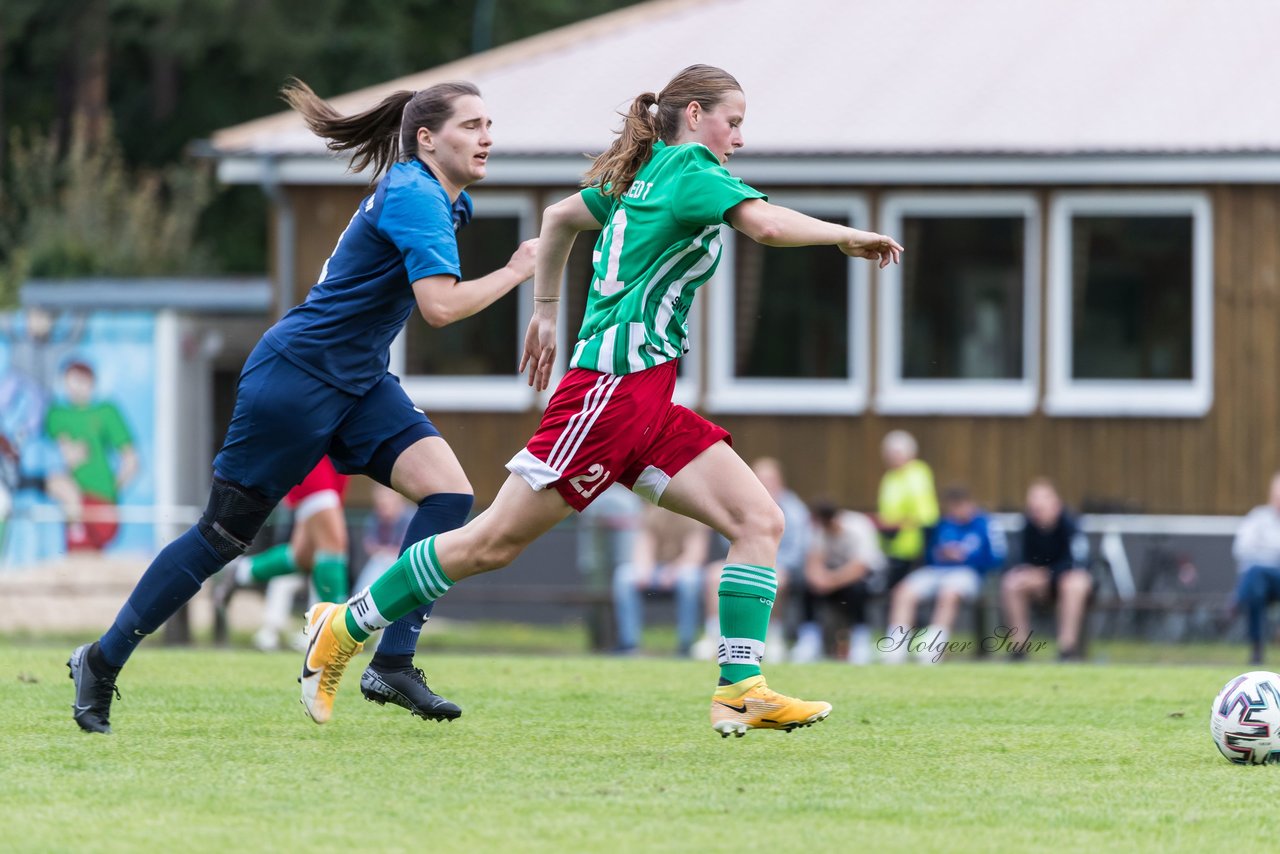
(658, 197)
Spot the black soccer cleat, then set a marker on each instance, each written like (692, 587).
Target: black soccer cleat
(408, 689)
(92, 706)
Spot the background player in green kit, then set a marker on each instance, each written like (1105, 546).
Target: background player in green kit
(659, 196)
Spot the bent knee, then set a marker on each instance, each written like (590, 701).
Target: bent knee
(1077, 582)
(418, 485)
(763, 521)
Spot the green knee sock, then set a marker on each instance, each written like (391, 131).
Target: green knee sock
(746, 598)
(277, 560)
(415, 579)
(329, 575)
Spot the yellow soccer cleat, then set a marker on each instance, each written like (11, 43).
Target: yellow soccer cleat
(750, 704)
(329, 648)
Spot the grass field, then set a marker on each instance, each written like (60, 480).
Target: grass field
(212, 752)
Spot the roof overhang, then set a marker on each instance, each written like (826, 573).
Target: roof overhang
(827, 170)
(239, 295)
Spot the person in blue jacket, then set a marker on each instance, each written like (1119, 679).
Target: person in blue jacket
(961, 549)
(318, 382)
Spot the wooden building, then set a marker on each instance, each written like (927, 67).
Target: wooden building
(1089, 193)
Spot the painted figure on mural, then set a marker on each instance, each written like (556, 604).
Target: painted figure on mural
(98, 450)
(32, 343)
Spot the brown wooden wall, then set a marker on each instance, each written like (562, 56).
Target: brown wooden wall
(1216, 464)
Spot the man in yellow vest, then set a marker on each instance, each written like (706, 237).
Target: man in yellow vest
(908, 504)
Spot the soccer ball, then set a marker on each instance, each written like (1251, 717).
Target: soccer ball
(1245, 719)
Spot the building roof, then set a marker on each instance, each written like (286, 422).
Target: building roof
(195, 295)
(872, 78)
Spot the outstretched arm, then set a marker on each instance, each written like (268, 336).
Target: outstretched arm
(560, 226)
(774, 225)
(815, 571)
(444, 300)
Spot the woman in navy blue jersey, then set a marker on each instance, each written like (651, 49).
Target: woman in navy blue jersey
(318, 381)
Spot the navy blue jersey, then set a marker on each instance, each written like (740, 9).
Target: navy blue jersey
(1062, 547)
(404, 231)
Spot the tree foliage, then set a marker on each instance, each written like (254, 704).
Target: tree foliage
(80, 211)
(158, 74)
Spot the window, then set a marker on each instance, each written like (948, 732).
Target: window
(577, 283)
(471, 364)
(1130, 293)
(578, 275)
(959, 317)
(789, 326)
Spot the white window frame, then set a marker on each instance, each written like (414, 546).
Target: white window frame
(1138, 398)
(898, 396)
(494, 392)
(727, 393)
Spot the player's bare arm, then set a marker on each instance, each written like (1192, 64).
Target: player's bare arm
(444, 300)
(850, 572)
(561, 223)
(774, 225)
(815, 573)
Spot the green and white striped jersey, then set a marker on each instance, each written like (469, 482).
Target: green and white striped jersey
(660, 243)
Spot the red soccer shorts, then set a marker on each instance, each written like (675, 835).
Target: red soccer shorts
(601, 428)
(323, 478)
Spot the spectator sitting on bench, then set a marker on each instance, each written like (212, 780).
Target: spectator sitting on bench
(1054, 567)
(1257, 552)
(962, 548)
(667, 557)
(844, 557)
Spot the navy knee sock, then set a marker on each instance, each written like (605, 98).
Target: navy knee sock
(169, 583)
(443, 511)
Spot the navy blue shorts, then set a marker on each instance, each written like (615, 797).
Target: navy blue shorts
(285, 420)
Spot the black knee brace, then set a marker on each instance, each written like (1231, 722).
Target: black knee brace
(233, 517)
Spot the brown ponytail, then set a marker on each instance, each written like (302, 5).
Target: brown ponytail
(642, 125)
(383, 133)
(616, 168)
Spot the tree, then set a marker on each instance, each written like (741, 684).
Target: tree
(162, 73)
(82, 212)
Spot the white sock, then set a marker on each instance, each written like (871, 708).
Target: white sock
(935, 638)
(899, 637)
(810, 633)
(244, 571)
(775, 642)
(808, 643)
(278, 602)
(860, 645)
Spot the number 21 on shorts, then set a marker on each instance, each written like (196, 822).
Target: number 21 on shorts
(588, 483)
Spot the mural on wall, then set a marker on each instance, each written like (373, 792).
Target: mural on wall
(77, 433)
